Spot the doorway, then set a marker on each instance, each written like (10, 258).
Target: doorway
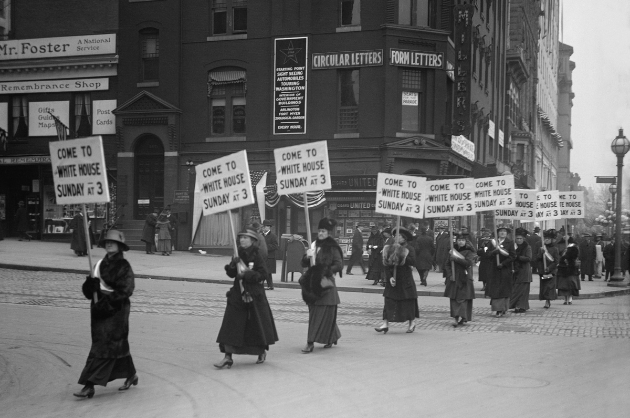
(149, 175)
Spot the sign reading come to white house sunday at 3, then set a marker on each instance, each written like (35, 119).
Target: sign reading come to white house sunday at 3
(302, 168)
(400, 195)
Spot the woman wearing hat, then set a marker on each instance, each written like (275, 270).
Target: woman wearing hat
(519, 301)
(375, 262)
(248, 326)
(568, 280)
(401, 295)
(547, 264)
(499, 284)
(322, 302)
(459, 283)
(486, 257)
(113, 283)
(163, 228)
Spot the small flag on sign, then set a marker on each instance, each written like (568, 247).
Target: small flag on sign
(61, 128)
(3, 139)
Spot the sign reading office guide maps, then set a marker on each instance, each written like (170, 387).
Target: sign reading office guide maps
(400, 195)
(453, 197)
(302, 168)
(224, 183)
(79, 173)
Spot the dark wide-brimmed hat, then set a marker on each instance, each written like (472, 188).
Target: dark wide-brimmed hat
(550, 233)
(521, 232)
(255, 225)
(267, 222)
(462, 235)
(118, 237)
(387, 231)
(404, 232)
(248, 233)
(507, 228)
(537, 229)
(327, 223)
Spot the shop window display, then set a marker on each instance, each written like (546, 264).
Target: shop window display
(58, 217)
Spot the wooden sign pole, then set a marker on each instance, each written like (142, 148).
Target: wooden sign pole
(450, 233)
(308, 227)
(88, 244)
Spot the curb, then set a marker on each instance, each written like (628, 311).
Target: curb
(379, 289)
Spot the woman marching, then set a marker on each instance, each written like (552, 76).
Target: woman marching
(459, 284)
(113, 283)
(486, 257)
(568, 271)
(401, 296)
(248, 326)
(519, 301)
(499, 284)
(319, 290)
(547, 263)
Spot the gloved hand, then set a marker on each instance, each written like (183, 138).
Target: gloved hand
(235, 260)
(92, 283)
(500, 266)
(392, 281)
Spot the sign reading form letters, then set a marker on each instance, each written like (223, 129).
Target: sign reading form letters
(525, 207)
(400, 195)
(302, 168)
(79, 173)
(547, 205)
(572, 205)
(494, 193)
(453, 197)
(225, 183)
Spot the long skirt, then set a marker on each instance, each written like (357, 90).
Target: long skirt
(569, 285)
(322, 324)
(462, 309)
(255, 350)
(520, 296)
(375, 272)
(548, 289)
(401, 310)
(100, 371)
(500, 304)
(164, 245)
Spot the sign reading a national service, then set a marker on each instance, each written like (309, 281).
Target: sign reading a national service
(224, 183)
(302, 168)
(572, 205)
(525, 207)
(494, 193)
(79, 172)
(453, 197)
(547, 205)
(400, 195)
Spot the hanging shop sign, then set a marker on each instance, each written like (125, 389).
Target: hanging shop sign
(463, 48)
(354, 182)
(54, 86)
(224, 183)
(346, 59)
(79, 172)
(452, 197)
(547, 205)
(400, 195)
(40, 123)
(572, 205)
(290, 57)
(103, 118)
(463, 147)
(491, 128)
(66, 46)
(495, 193)
(417, 59)
(302, 168)
(525, 207)
(501, 140)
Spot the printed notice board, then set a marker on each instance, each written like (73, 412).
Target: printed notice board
(547, 205)
(572, 205)
(400, 195)
(525, 210)
(494, 193)
(453, 197)
(302, 168)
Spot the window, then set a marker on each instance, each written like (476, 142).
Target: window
(348, 100)
(350, 12)
(150, 54)
(82, 114)
(19, 113)
(416, 12)
(229, 17)
(411, 100)
(227, 95)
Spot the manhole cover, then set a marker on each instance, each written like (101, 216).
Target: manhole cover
(513, 382)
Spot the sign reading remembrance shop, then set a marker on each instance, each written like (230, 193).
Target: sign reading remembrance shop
(289, 99)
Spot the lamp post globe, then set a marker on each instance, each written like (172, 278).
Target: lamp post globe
(620, 147)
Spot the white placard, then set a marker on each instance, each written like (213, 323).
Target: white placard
(400, 195)
(490, 128)
(463, 147)
(501, 141)
(103, 118)
(453, 197)
(58, 47)
(525, 207)
(224, 183)
(572, 205)
(54, 86)
(302, 168)
(4, 116)
(410, 98)
(40, 123)
(547, 205)
(79, 171)
(494, 193)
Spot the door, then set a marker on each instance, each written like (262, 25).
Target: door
(149, 187)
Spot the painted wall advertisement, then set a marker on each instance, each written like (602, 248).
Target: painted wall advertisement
(290, 57)
(40, 123)
(103, 118)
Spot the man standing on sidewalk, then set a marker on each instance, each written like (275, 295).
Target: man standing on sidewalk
(271, 240)
(21, 222)
(148, 231)
(588, 255)
(357, 251)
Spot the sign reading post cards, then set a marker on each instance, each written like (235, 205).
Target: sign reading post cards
(79, 172)
(571, 205)
(547, 205)
(525, 207)
(225, 184)
(453, 197)
(302, 168)
(494, 193)
(400, 195)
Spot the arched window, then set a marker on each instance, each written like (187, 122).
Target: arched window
(150, 54)
(227, 91)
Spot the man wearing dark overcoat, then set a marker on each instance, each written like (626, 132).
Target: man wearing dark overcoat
(534, 242)
(21, 222)
(499, 285)
(588, 254)
(271, 240)
(442, 247)
(357, 251)
(148, 231)
(424, 255)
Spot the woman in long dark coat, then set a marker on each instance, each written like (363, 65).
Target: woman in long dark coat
(486, 258)
(547, 265)
(609, 259)
(322, 302)
(519, 301)
(248, 326)
(401, 295)
(568, 271)
(109, 357)
(21, 221)
(78, 243)
(499, 284)
(425, 250)
(375, 262)
(459, 284)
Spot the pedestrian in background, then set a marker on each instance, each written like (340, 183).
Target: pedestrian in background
(357, 251)
(248, 326)
(547, 266)
(500, 281)
(425, 250)
(21, 222)
(442, 248)
(148, 232)
(163, 229)
(609, 259)
(588, 254)
(567, 274)
(599, 256)
(519, 301)
(77, 227)
(535, 242)
(260, 242)
(485, 257)
(113, 282)
(375, 262)
(459, 282)
(319, 288)
(271, 240)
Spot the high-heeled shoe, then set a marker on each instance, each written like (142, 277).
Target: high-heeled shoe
(86, 392)
(261, 358)
(382, 329)
(547, 305)
(225, 362)
(411, 329)
(309, 348)
(330, 344)
(130, 381)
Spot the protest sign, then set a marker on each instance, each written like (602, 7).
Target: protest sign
(494, 193)
(400, 195)
(79, 172)
(453, 197)
(525, 207)
(302, 168)
(225, 183)
(572, 205)
(547, 205)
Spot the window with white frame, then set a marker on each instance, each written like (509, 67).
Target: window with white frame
(227, 91)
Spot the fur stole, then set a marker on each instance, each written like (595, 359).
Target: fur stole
(114, 269)
(395, 254)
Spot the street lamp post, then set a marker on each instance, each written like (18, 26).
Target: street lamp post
(620, 147)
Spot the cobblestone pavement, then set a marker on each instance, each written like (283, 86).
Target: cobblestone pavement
(62, 290)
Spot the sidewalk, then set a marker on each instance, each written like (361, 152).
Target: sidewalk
(187, 266)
